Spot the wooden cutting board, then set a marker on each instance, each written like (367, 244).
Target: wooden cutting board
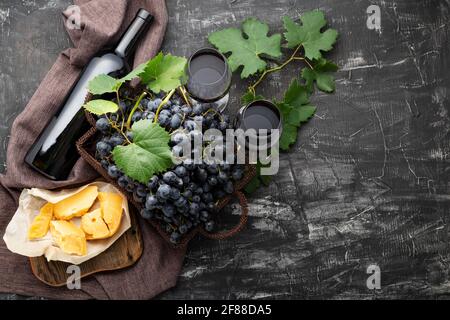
(125, 252)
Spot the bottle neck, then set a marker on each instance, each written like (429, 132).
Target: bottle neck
(135, 30)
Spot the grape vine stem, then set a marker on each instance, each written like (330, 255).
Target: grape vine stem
(184, 94)
(166, 99)
(121, 111)
(119, 130)
(138, 102)
(293, 57)
(306, 61)
(215, 112)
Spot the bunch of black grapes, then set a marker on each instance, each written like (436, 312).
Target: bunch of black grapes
(185, 196)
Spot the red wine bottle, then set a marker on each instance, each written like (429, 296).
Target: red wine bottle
(54, 153)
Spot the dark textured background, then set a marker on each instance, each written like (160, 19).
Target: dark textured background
(368, 181)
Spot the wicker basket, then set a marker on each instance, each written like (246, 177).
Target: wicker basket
(86, 148)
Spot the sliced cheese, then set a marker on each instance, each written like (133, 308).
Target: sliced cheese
(69, 237)
(76, 205)
(93, 225)
(111, 204)
(41, 222)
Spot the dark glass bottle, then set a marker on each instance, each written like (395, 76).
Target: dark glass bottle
(54, 153)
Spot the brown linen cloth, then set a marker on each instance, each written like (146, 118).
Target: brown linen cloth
(102, 24)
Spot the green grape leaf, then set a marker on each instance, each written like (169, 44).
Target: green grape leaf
(246, 51)
(135, 73)
(301, 114)
(249, 97)
(293, 117)
(288, 137)
(295, 110)
(149, 153)
(296, 94)
(309, 34)
(102, 84)
(258, 179)
(321, 75)
(266, 180)
(164, 73)
(99, 107)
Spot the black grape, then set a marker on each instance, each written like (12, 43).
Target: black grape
(187, 194)
(103, 148)
(175, 237)
(136, 116)
(202, 175)
(180, 202)
(190, 125)
(186, 109)
(207, 197)
(103, 125)
(169, 210)
(130, 136)
(170, 178)
(113, 171)
(147, 214)
(212, 180)
(174, 194)
(204, 215)
(141, 191)
(177, 151)
(229, 187)
(116, 140)
(151, 202)
(104, 163)
(197, 110)
(180, 171)
(209, 226)
(183, 228)
(123, 181)
(222, 177)
(153, 183)
(163, 120)
(164, 191)
(237, 174)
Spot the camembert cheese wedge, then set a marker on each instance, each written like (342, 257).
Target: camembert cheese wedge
(76, 205)
(111, 204)
(93, 225)
(69, 237)
(41, 222)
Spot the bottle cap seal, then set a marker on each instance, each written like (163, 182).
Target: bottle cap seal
(145, 15)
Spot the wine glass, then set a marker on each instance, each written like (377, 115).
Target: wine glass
(261, 125)
(209, 78)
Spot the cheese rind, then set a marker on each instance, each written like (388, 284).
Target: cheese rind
(70, 238)
(76, 205)
(93, 225)
(41, 222)
(111, 204)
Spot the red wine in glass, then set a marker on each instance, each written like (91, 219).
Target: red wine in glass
(209, 77)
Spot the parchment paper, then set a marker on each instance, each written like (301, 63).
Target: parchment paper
(30, 203)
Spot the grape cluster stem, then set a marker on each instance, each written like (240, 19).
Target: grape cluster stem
(115, 127)
(184, 94)
(163, 103)
(138, 102)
